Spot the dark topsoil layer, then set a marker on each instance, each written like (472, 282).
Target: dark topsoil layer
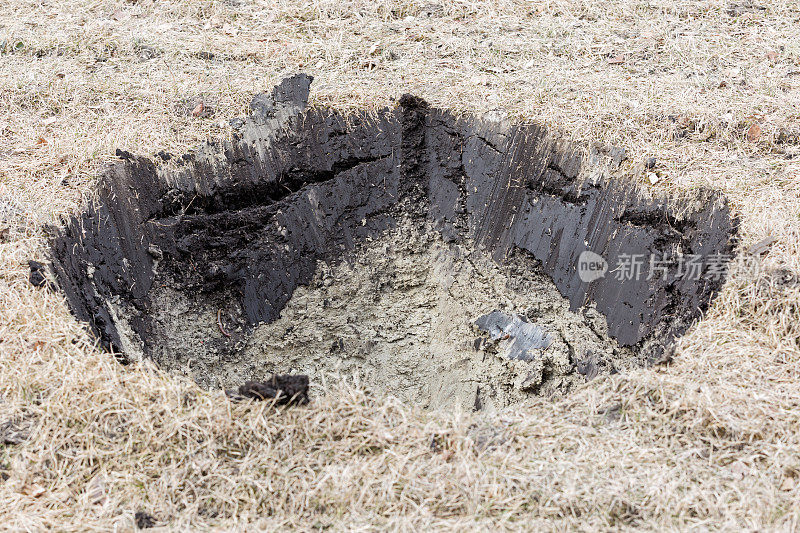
(248, 219)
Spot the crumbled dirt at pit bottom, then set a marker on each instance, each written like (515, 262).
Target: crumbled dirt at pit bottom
(397, 316)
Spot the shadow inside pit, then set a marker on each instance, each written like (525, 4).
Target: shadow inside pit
(187, 260)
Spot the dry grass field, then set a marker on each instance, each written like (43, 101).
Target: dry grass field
(711, 89)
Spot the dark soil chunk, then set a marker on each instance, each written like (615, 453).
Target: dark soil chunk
(284, 389)
(144, 520)
(38, 275)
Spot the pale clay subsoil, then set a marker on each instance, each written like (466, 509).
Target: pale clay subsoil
(397, 317)
(405, 312)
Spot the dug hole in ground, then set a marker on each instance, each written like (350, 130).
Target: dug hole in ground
(423, 255)
(693, 95)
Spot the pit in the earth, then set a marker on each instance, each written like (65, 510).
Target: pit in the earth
(445, 259)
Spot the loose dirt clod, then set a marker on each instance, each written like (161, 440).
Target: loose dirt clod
(38, 274)
(144, 520)
(284, 389)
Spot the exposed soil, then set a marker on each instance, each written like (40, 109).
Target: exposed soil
(370, 244)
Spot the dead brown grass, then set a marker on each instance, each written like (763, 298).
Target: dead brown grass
(712, 441)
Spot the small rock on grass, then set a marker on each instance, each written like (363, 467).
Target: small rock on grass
(200, 108)
(754, 133)
(761, 247)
